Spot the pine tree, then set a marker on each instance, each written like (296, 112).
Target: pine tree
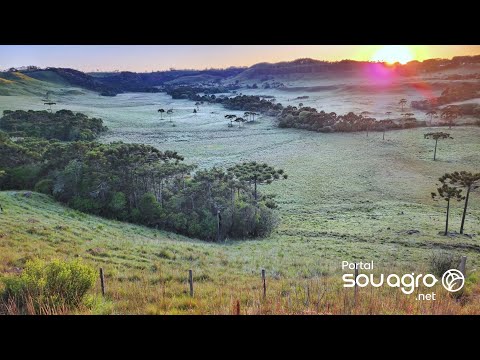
(256, 174)
(447, 193)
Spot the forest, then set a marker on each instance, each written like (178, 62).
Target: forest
(134, 182)
(62, 125)
(310, 119)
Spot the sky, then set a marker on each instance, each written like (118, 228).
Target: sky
(144, 58)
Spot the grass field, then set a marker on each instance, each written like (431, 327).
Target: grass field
(348, 197)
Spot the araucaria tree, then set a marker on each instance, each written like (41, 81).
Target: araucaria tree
(170, 112)
(437, 136)
(431, 113)
(230, 117)
(448, 193)
(161, 111)
(50, 103)
(367, 121)
(466, 180)
(402, 103)
(449, 116)
(255, 174)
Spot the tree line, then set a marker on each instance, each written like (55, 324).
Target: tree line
(308, 118)
(61, 125)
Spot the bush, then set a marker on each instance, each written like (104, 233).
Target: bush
(442, 261)
(45, 286)
(44, 186)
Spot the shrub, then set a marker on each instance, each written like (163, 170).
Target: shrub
(44, 186)
(54, 285)
(442, 261)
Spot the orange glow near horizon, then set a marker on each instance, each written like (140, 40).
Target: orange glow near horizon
(394, 53)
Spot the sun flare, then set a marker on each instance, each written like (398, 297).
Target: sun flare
(393, 53)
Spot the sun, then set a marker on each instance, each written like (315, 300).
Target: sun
(393, 53)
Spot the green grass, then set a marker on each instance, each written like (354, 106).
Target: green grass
(348, 197)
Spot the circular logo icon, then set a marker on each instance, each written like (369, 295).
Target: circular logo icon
(453, 280)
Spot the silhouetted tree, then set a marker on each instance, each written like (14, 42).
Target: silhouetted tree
(170, 112)
(431, 113)
(50, 103)
(256, 174)
(366, 120)
(240, 121)
(402, 103)
(437, 136)
(195, 111)
(161, 111)
(230, 117)
(447, 193)
(300, 105)
(388, 113)
(449, 115)
(466, 180)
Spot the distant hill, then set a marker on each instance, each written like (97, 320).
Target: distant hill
(141, 82)
(263, 71)
(33, 80)
(37, 81)
(66, 76)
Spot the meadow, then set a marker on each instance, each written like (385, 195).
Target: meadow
(348, 197)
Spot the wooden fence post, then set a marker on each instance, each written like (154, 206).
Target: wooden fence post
(238, 307)
(102, 281)
(264, 284)
(463, 266)
(190, 281)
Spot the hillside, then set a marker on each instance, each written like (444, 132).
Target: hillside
(146, 270)
(17, 83)
(300, 67)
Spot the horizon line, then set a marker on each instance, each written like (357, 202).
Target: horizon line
(24, 67)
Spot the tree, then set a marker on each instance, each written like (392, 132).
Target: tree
(449, 115)
(437, 136)
(466, 180)
(402, 103)
(50, 103)
(388, 113)
(409, 115)
(447, 193)
(300, 105)
(170, 112)
(431, 113)
(253, 114)
(161, 111)
(256, 174)
(230, 117)
(47, 96)
(197, 104)
(247, 114)
(240, 121)
(366, 120)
